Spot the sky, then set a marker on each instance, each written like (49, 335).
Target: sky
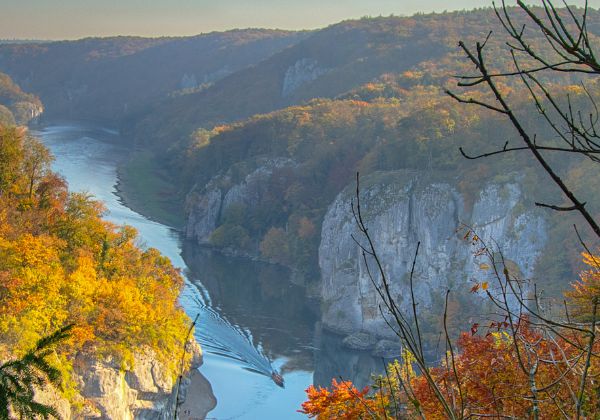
(72, 19)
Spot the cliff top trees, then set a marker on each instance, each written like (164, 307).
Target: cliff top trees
(60, 263)
(528, 361)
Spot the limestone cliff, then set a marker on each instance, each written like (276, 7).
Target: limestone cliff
(27, 111)
(303, 71)
(207, 204)
(144, 390)
(400, 209)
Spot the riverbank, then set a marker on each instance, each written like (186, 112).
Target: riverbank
(251, 322)
(143, 186)
(194, 407)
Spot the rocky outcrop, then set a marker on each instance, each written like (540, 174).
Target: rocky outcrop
(26, 111)
(206, 205)
(188, 81)
(144, 390)
(401, 209)
(303, 71)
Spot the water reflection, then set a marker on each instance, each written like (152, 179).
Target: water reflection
(275, 313)
(334, 360)
(278, 315)
(253, 318)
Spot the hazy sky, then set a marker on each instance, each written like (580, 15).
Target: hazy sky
(68, 19)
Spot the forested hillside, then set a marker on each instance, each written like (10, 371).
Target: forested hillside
(17, 106)
(115, 78)
(331, 62)
(61, 263)
(400, 120)
(384, 127)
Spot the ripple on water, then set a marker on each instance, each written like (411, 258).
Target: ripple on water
(87, 156)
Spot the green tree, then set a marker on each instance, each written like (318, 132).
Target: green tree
(20, 378)
(11, 157)
(36, 163)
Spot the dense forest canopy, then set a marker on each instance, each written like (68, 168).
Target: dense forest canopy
(364, 96)
(336, 59)
(396, 122)
(114, 79)
(61, 263)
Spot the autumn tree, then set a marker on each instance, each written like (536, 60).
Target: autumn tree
(61, 263)
(530, 362)
(11, 156)
(343, 401)
(36, 163)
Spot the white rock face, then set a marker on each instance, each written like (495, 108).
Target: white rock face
(188, 81)
(303, 71)
(401, 209)
(25, 112)
(206, 206)
(107, 391)
(204, 215)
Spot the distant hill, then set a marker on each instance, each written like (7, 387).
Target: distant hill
(110, 79)
(16, 106)
(162, 89)
(328, 63)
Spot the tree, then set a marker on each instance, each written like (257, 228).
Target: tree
(11, 157)
(586, 289)
(20, 378)
(275, 246)
(569, 49)
(344, 401)
(532, 362)
(36, 162)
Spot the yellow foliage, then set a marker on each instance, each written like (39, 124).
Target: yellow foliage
(586, 291)
(74, 267)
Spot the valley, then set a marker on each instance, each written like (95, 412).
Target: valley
(241, 156)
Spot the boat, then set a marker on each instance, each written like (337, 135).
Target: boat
(278, 379)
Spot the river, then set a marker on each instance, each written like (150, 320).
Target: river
(252, 319)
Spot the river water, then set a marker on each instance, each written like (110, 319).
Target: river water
(252, 319)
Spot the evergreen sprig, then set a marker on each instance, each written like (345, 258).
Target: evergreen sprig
(19, 378)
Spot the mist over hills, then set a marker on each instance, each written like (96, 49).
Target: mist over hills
(220, 77)
(362, 95)
(251, 143)
(111, 79)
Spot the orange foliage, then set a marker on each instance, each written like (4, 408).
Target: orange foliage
(492, 375)
(344, 401)
(586, 289)
(61, 263)
(493, 382)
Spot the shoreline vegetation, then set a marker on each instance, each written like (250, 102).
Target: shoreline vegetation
(245, 139)
(146, 190)
(62, 263)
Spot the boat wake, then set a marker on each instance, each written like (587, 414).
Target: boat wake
(220, 337)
